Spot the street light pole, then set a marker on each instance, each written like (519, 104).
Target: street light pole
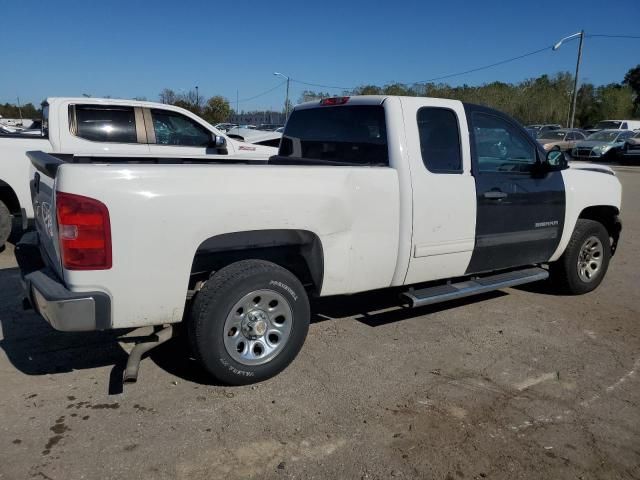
(575, 79)
(286, 101)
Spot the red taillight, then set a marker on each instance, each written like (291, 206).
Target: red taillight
(334, 101)
(84, 231)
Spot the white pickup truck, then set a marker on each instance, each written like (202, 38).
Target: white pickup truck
(365, 193)
(102, 126)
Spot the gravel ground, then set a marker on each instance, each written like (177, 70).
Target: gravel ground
(516, 384)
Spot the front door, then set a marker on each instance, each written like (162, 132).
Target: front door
(520, 212)
(172, 134)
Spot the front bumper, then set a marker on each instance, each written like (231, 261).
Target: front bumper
(63, 309)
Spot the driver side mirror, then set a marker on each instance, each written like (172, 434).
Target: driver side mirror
(555, 159)
(218, 141)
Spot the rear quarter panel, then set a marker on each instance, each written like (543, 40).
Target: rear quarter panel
(161, 214)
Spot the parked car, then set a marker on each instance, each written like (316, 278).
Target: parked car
(531, 131)
(563, 138)
(365, 193)
(90, 126)
(542, 128)
(223, 127)
(269, 126)
(7, 130)
(615, 125)
(631, 149)
(604, 145)
(256, 136)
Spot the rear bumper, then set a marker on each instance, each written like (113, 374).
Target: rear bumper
(63, 309)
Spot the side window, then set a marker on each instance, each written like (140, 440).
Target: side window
(624, 136)
(624, 126)
(500, 146)
(570, 136)
(439, 140)
(175, 129)
(105, 123)
(580, 136)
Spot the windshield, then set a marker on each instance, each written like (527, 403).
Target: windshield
(552, 135)
(603, 136)
(606, 124)
(341, 134)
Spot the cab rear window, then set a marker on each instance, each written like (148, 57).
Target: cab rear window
(349, 135)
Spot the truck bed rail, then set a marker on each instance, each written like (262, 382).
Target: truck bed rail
(48, 163)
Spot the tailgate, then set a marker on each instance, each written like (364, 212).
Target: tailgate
(42, 185)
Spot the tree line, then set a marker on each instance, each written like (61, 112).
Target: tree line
(544, 99)
(28, 110)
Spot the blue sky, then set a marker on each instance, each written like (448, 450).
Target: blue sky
(134, 48)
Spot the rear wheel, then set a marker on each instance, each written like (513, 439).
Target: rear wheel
(6, 221)
(248, 322)
(585, 261)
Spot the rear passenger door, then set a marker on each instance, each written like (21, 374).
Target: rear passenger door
(442, 188)
(103, 129)
(520, 211)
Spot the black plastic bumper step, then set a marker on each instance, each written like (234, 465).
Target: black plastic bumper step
(443, 293)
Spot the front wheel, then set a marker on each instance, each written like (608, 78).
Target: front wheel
(585, 261)
(248, 322)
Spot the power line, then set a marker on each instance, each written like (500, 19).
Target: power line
(321, 86)
(502, 62)
(243, 100)
(611, 36)
(442, 77)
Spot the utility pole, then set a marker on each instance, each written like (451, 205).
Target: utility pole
(286, 101)
(197, 97)
(575, 80)
(19, 110)
(237, 107)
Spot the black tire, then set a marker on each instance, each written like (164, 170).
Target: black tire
(565, 271)
(6, 222)
(214, 303)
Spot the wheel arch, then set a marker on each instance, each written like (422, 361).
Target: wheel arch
(299, 251)
(9, 198)
(608, 216)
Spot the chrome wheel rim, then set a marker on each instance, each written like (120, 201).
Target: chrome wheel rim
(590, 259)
(258, 327)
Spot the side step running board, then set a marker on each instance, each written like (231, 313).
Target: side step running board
(443, 293)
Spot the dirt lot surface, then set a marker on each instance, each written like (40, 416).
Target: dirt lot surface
(516, 384)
